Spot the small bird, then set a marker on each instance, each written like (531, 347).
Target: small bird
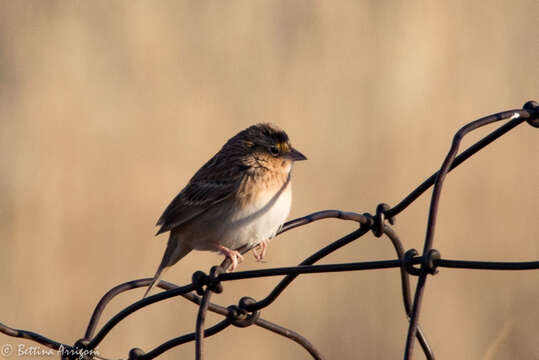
(241, 196)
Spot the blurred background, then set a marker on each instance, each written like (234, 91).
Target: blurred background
(107, 108)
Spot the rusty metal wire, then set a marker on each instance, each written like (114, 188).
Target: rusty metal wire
(247, 311)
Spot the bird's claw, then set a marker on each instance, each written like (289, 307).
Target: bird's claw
(233, 255)
(263, 245)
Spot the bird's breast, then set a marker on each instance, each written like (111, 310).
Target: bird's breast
(261, 216)
(254, 215)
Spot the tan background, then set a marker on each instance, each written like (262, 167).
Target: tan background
(107, 109)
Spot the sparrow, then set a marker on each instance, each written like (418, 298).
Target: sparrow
(240, 197)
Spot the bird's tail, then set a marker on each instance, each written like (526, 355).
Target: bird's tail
(155, 280)
(174, 252)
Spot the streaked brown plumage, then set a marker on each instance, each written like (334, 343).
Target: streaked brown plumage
(242, 195)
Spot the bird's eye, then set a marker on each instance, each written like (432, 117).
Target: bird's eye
(274, 150)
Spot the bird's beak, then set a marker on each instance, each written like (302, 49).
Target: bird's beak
(295, 155)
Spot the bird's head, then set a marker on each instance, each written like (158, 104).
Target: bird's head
(267, 143)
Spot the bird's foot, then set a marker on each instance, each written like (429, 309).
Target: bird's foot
(233, 255)
(263, 245)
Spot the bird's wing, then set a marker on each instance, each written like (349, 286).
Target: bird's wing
(215, 182)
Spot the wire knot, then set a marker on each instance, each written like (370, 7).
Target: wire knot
(533, 108)
(377, 221)
(408, 263)
(212, 282)
(428, 262)
(135, 353)
(238, 314)
(79, 351)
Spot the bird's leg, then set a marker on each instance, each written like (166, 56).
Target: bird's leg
(233, 255)
(263, 245)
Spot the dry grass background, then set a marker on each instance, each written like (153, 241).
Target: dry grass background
(108, 107)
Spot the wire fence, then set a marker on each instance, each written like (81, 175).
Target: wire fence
(247, 311)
